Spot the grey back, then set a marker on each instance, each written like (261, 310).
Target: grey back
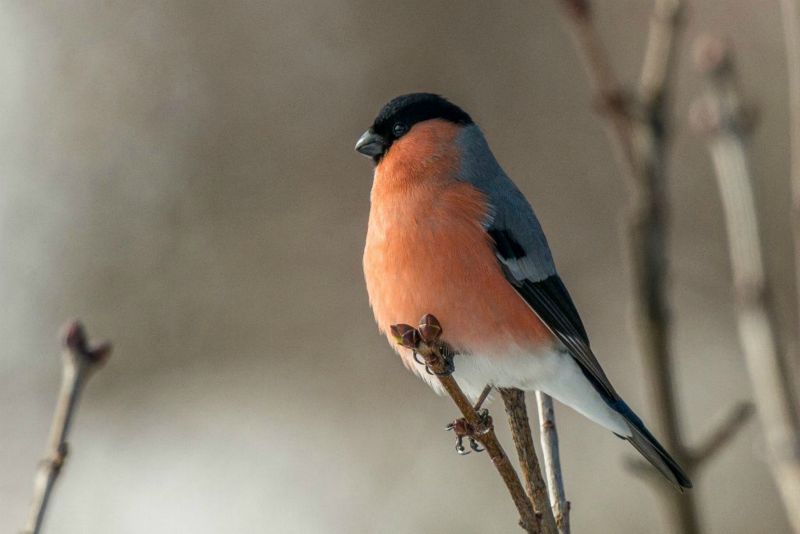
(511, 214)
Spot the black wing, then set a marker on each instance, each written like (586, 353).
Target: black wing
(550, 300)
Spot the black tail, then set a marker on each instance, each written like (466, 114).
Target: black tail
(651, 449)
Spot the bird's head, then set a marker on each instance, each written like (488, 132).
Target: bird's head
(406, 117)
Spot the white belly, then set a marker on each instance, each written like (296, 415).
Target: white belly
(551, 372)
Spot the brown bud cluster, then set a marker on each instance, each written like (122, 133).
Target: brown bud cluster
(429, 329)
(406, 335)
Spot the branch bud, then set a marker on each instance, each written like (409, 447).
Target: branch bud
(406, 335)
(429, 329)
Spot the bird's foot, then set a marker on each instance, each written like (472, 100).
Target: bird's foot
(435, 364)
(463, 429)
(429, 350)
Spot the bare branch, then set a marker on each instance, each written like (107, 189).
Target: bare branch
(80, 361)
(609, 95)
(791, 32)
(725, 119)
(696, 459)
(724, 433)
(642, 130)
(660, 53)
(438, 358)
(552, 462)
(514, 401)
(482, 397)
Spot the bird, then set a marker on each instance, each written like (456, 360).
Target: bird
(450, 234)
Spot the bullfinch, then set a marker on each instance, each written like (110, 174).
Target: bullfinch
(451, 235)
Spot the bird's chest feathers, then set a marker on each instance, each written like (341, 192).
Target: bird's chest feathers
(425, 245)
(427, 224)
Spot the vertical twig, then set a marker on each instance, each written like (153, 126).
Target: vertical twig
(791, 32)
(727, 121)
(648, 227)
(610, 98)
(642, 128)
(552, 462)
(648, 224)
(514, 402)
(79, 362)
(426, 343)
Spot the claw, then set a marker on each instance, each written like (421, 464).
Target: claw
(463, 430)
(448, 366)
(460, 446)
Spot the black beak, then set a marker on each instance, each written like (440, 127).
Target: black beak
(371, 144)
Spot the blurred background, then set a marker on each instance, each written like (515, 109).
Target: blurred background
(181, 176)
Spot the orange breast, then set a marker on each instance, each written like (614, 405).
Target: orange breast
(427, 251)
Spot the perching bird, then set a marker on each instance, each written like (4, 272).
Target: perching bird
(451, 235)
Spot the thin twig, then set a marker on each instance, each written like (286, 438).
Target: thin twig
(426, 342)
(790, 9)
(724, 432)
(727, 122)
(609, 95)
(482, 398)
(552, 462)
(646, 133)
(80, 360)
(660, 54)
(514, 402)
(648, 223)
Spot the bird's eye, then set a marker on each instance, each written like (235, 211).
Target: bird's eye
(399, 129)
